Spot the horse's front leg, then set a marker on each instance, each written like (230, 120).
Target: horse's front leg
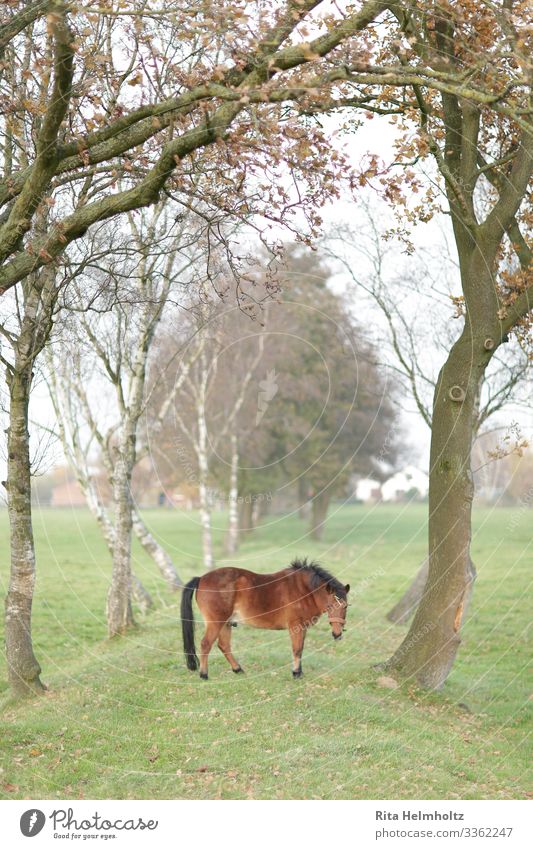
(297, 632)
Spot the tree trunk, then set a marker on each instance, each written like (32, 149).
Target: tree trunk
(98, 510)
(232, 540)
(203, 476)
(119, 611)
(139, 592)
(246, 518)
(319, 512)
(23, 668)
(404, 609)
(429, 649)
(205, 519)
(158, 554)
(303, 499)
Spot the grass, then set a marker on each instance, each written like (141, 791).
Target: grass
(125, 719)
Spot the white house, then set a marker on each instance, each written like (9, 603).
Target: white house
(367, 489)
(409, 480)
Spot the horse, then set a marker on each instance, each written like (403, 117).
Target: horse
(293, 599)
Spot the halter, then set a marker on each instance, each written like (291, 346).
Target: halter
(339, 601)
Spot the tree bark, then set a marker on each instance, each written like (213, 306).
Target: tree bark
(319, 512)
(98, 510)
(203, 469)
(161, 558)
(119, 610)
(139, 592)
(232, 540)
(22, 665)
(39, 297)
(406, 606)
(429, 649)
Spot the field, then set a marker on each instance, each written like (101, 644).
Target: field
(125, 719)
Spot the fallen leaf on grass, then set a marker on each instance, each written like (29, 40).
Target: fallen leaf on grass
(389, 683)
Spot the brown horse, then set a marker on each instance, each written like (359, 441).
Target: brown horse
(293, 599)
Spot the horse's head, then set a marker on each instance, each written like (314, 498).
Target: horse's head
(336, 610)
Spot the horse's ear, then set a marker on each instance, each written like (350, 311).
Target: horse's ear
(329, 588)
(347, 588)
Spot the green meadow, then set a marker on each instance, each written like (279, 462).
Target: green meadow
(126, 719)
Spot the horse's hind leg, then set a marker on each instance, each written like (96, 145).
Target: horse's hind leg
(224, 644)
(211, 633)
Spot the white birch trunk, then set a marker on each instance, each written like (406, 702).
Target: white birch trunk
(205, 506)
(139, 591)
(161, 558)
(232, 541)
(119, 610)
(203, 467)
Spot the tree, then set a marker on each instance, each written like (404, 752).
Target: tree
(111, 343)
(36, 315)
(470, 145)
(418, 306)
(219, 351)
(331, 410)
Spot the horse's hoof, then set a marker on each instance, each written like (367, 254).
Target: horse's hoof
(297, 674)
(204, 676)
(239, 669)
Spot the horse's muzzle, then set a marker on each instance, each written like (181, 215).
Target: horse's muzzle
(337, 636)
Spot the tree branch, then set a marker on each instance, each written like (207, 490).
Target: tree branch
(20, 217)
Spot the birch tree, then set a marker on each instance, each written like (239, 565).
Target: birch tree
(117, 338)
(209, 406)
(69, 399)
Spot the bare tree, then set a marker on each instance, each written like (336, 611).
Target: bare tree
(209, 406)
(112, 327)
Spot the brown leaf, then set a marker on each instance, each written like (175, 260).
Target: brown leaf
(387, 682)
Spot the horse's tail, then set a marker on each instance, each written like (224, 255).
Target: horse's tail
(187, 623)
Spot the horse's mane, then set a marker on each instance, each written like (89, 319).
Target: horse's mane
(318, 576)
